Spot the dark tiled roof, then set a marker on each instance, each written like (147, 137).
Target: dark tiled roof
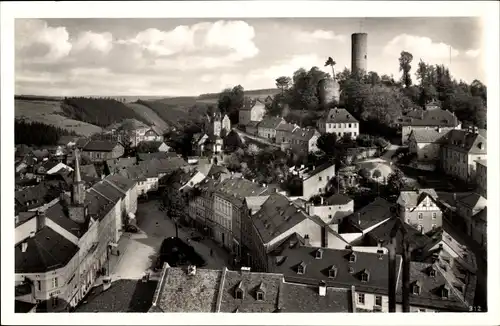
(155, 144)
(253, 124)
(371, 214)
(277, 215)
(383, 233)
(305, 298)
(121, 182)
(286, 127)
(430, 287)
(414, 197)
(32, 197)
(108, 191)
(428, 135)
(250, 283)
(23, 307)
(58, 214)
(100, 146)
(41, 153)
(319, 169)
(316, 270)
(180, 292)
(122, 296)
(271, 122)
(46, 251)
(338, 199)
(23, 217)
(303, 134)
(81, 142)
(235, 190)
(338, 116)
(157, 155)
(98, 205)
(120, 163)
(463, 140)
(89, 170)
(431, 118)
(472, 200)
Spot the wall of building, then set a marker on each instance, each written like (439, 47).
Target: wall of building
(359, 53)
(317, 183)
(370, 300)
(307, 226)
(340, 129)
(268, 133)
(223, 216)
(425, 151)
(329, 213)
(425, 216)
(257, 112)
(244, 117)
(482, 179)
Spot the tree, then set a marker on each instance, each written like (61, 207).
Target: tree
(175, 204)
(232, 162)
(283, 83)
(230, 101)
(327, 143)
(395, 182)
(372, 78)
(405, 66)
(376, 174)
(364, 173)
(331, 63)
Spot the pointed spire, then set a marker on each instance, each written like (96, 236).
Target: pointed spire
(77, 177)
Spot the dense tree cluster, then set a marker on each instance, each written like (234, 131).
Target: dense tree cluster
(37, 133)
(231, 100)
(98, 111)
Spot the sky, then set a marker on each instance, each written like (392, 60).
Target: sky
(185, 57)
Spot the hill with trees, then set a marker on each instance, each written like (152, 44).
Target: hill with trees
(37, 133)
(98, 111)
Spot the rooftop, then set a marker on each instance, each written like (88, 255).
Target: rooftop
(100, 146)
(482, 162)
(428, 135)
(156, 155)
(338, 199)
(271, 122)
(46, 251)
(288, 127)
(463, 140)
(236, 189)
(32, 196)
(318, 169)
(306, 298)
(473, 200)
(121, 182)
(338, 116)
(413, 197)
(431, 118)
(373, 213)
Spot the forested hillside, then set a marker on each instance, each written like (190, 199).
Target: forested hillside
(37, 133)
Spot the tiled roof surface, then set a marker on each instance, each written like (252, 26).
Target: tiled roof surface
(271, 122)
(277, 215)
(155, 144)
(473, 200)
(428, 135)
(236, 189)
(107, 190)
(157, 155)
(121, 182)
(319, 169)
(120, 163)
(414, 197)
(383, 233)
(46, 251)
(250, 283)
(286, 259)
(303, 134)
(100, 146)
(431, 118)
(338, 199)
(180, 292)
(286, 127)
(463, 140)
(253, 124)
(371, 214)
(32, 196)
(305, 298)
(482, 162)
(338, 116)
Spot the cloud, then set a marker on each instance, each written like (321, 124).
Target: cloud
(320, 34)
(35, 39)
(102, 42)
(420, 47)
(473, 53)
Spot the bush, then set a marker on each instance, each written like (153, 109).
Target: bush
(364, 173)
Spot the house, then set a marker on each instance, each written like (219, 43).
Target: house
(198, 142)
(30, 198)
(364, 220)
(60, 250)
(479, 228)
(58, 167)
(154, 146)
(103, 150)
(213, 124)
(201, 205)
(482, 177)
(420, 209)
(154, 134)
(277, 219)
(157, 156)
(283, 131)
(226, 125)
(460, 151)
(301, 140)
(224, 291)
(315, 181)
(339, 122)
(133, 131)
(333, 209)
(253, 111)
(426, 143)
(267, 127)
(252, 127)
(469, 206)
(428, 119)
(229, 210)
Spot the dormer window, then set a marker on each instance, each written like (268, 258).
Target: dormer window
(365, 276)
(260, 296)
(445, 292)
(301, 269)
(238, 294)
(319, 253)
(260, 292)
(332, 272)
(416, 288)
(352, 258)
(432, 272)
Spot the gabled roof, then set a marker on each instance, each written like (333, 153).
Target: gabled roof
(253, 124)
(412, 198)
(482, 162)
(157, 155)
(338, 116)
(64, 140)
(100, 146)
(154, 144)
(431, 118)
(271, 122)
(277, 215)
(46, 251)
(305, 298)
(89, 170)
(319, 169)
(121, 182)
(338, 199)
(287, 127)
(236, 189)
(120, 163)
(348, 273)
(373, 213)
(303, 134)
(473, 200)
(428, 136)
(465, 141)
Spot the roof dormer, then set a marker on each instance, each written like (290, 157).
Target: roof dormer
(301, 268)
(239, 291)
(352, 257)
(416, 288)
(445, 291)
(365, 276)
(332, 272)
(319, 253)
(260, 292)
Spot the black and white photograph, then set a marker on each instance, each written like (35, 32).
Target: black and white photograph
(250, 161)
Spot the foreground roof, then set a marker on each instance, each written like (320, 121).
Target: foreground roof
(100, 146)
(431, 118)
(373, 213)
(338, 116)
(463, 140)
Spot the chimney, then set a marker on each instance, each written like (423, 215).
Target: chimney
(439, 129)
(245, 269)
(322, 288)
(264, 185)
(32, 234)
(24, 246)
(192, 270)
(40, 220)
(307, 241)
(322, 200)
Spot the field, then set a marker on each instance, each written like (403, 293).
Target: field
(49, 112)
(148, 114)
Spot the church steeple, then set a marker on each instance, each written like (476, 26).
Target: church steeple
(78, 193)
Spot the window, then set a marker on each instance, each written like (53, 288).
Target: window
(352, 258)
(416, 289)
(54, 282)
(434, 215)
(364, 277)
(319, 190)
(444, 292)
(420, 228)
(330, 216)
(432, 272)
(420, 216)
(378, 300)
(55, 301)
(349, 125)
(301, 269)
(39, 285)
(408, 220)
(421, 310)
(361, 298)
(260, 296)
(239, 294)
(320, 178)
(434, 226)
(332, 272)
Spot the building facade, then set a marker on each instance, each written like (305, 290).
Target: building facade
(482, 177)
(102, 150)
(339, 122)
(420, 209)
(316, 181)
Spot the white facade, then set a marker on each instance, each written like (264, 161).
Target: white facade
(316, 184)
(340, 129)
(331, 213)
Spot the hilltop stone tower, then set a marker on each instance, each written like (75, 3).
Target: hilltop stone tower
(359, 54)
